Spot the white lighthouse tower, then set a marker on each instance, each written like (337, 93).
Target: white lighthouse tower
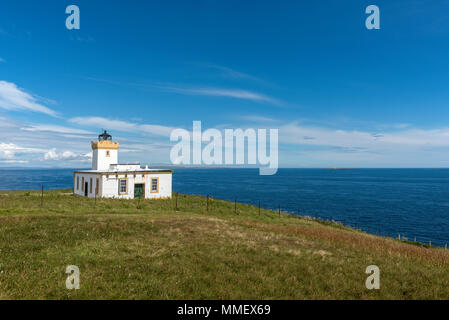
(104, 152)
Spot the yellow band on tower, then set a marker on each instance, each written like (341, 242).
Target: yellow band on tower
(104, 144)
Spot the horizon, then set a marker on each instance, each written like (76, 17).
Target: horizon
(341, 96)
(206, 167)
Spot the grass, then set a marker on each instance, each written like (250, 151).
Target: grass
(126, 249)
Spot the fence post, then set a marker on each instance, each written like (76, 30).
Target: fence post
(42, 196)
(176, 196)
(207, 203)
(299, 212)
(259, 207)
(279, 211)
(95, 203)
(235, 205)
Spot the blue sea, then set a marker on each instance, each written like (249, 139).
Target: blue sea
(410, 202)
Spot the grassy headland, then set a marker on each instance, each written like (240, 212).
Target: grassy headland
(130, 249)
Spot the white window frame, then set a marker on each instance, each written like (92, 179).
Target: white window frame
(120, 186)
(157, 185)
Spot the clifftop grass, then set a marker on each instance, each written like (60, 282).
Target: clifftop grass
(130, 249)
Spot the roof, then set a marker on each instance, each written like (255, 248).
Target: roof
(126, 171)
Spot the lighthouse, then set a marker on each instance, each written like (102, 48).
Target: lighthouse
(104, 152)
(110, 179)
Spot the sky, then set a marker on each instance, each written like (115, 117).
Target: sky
(341, 95)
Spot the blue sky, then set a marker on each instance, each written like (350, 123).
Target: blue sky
(340, 95)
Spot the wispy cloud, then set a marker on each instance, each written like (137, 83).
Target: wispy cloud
(257, 118)
(87, 39)
(11, 153)
(9, 150)
(296, 134)
(314, 146)
(221, 92)
(57, 129)
(14, 161)
(202, 91)
(231, 73)
(67, 156)
(14, 98)
(123, 126)
(2, 60)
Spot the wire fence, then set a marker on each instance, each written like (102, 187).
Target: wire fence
(346, 223)
(276, 210)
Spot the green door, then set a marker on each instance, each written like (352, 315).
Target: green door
(138, 190)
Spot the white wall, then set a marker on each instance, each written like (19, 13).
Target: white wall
(87, 177)
(108, 184)
(165, 185)
(111, 183)
(100, 161)
(110, 187)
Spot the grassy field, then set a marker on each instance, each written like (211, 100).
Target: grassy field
(126, 249)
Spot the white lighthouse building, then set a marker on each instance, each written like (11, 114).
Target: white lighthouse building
(109, 179)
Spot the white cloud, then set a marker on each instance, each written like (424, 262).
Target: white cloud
(9, 150)
(318, 147)
(6, 153)
(104, 123)
(57, 129)
(156, 129)
(256, 118)
(219, 92)
(14, 98)
(205, 91)
(123, 126)
(231, 73)
(11, 153)
(296, 134)
(66, 155)
(14, 161)
(87, 39)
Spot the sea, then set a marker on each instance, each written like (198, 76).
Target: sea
(411, 202)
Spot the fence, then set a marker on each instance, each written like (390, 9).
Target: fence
(298, 213)
(314, 216)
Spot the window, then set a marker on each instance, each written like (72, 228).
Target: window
(155, 185)
(77, 182)
(123, 186)
(108, 153)
(90, 188)
(97, 186)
